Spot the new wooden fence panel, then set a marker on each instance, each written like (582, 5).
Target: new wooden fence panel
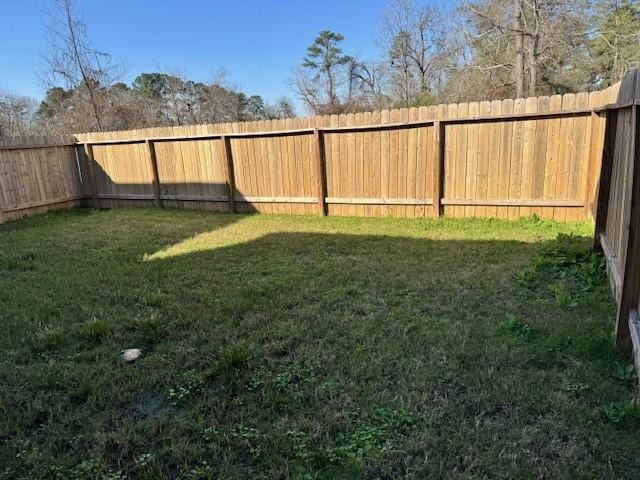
(306, 169)
(122, 171)
(459, 183)
(528, 151)
(436, 146)
(565, 156)
(493, 167)
(450, 159)
(482, 154)
(579, 158)
(490, 168)
(366, 164)
(472, 160)
(539, 156)
(596, 137)
(385, 145)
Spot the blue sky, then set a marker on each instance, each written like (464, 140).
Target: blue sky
(257, 43)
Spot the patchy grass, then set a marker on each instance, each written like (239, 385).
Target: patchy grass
(299, 347)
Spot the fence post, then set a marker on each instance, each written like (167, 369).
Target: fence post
(604, 184)
(154, 171)
(438, 170)
(88, 148)
(321, 172)
(631, 273)
(231, 177)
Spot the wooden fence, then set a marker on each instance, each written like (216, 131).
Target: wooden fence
(39, 174)
(500, 159)
(618, 209)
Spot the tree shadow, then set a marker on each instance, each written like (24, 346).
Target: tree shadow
(315, 283)
(296, 331)
(213, 196)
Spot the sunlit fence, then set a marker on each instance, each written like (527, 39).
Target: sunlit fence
(502, 159)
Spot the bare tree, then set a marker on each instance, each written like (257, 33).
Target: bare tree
(518, 33)
(72, 60)
(521, 42)
(413, 38)
(281, 108)
(17, 115)
(371, 81)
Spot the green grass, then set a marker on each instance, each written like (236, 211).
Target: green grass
(300, 347)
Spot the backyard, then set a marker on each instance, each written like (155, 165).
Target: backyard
(302, 347)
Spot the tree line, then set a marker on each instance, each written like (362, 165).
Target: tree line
(479, 50)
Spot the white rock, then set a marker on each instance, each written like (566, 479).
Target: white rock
(131, 354)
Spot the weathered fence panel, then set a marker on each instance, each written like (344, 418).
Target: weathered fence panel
(618, 213)
(39, 174)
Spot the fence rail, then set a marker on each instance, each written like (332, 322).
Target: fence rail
(354, 128)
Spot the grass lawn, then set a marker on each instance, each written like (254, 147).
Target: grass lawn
(302, 347)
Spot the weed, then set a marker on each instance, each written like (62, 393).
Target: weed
(204, 471)
(372, 438)
(250, 438)
(91, 469)
(561, 295)
(233, 358)
(514, 325)
(287, 386)
(624, 414)
(145, 466)
(625, 373)
(570, 268)
(576, 387)
(300, 445)
(150, 328)
(191, 383)
(48, 338)
(154, 299)
(94, 330)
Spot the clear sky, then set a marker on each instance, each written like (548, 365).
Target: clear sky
(257, 43)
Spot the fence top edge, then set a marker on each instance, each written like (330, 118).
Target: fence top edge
(36, 146)
(329, 130)
(349, 128)
(319, 119)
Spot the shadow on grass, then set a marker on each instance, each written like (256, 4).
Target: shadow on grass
(332, 355)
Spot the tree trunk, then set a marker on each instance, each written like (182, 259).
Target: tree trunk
(533, 78)
(533, 42)
(532, 65)
(519, 63)
(330, 90)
